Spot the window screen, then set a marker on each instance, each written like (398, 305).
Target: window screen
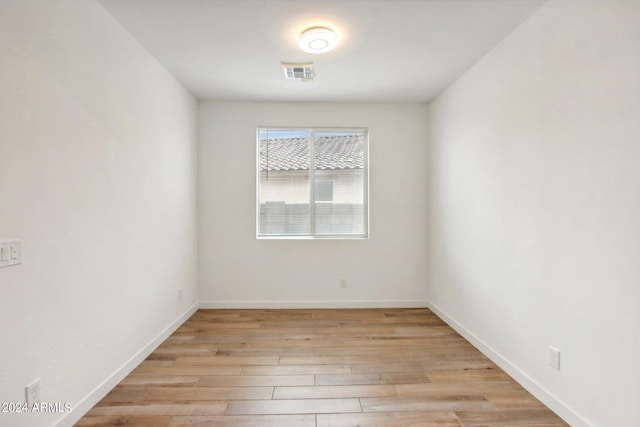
(312, 182)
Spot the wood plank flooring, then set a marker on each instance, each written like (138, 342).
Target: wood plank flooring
(318, 368)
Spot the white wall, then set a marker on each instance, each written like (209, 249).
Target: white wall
(236, 270)
(293, 186)
(97, 173)
(535, 207)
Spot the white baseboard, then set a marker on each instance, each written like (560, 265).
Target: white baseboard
(100, 391)
(314, 304)
(531, 385)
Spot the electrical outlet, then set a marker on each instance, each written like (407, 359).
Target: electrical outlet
(554, 358)
(343, 283)
(180, 293)
(32, 392)
(10, 253)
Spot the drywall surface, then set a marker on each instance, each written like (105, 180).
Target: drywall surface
(534, 206)
(238, 270)
(97, 173)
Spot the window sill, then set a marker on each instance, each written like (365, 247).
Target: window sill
(327, 237)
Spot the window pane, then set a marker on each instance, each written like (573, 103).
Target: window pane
(312, 182)
(339, 165)
(284, 182)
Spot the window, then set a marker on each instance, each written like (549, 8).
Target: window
(312, 183)
(324, 190)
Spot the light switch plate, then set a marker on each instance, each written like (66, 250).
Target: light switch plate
(10, 253)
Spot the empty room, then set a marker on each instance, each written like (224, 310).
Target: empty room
(330, 213)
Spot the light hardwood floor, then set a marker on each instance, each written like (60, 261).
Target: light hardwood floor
(318, 368)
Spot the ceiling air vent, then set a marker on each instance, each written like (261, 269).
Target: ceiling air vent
(302, 72)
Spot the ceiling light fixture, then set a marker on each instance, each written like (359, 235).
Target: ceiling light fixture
(317, 40)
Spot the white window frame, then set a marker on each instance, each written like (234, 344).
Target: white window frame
(365, 179)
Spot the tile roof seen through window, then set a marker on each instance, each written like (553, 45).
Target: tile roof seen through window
(332, 152)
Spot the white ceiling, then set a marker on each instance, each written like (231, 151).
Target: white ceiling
(390, 50)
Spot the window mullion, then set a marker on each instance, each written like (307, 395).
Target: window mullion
(312, 190)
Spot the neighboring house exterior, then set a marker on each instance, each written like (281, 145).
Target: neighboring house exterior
(338, 184)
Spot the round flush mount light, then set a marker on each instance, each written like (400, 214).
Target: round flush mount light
(317, 40)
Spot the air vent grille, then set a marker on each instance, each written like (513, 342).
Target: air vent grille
(302, 72)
